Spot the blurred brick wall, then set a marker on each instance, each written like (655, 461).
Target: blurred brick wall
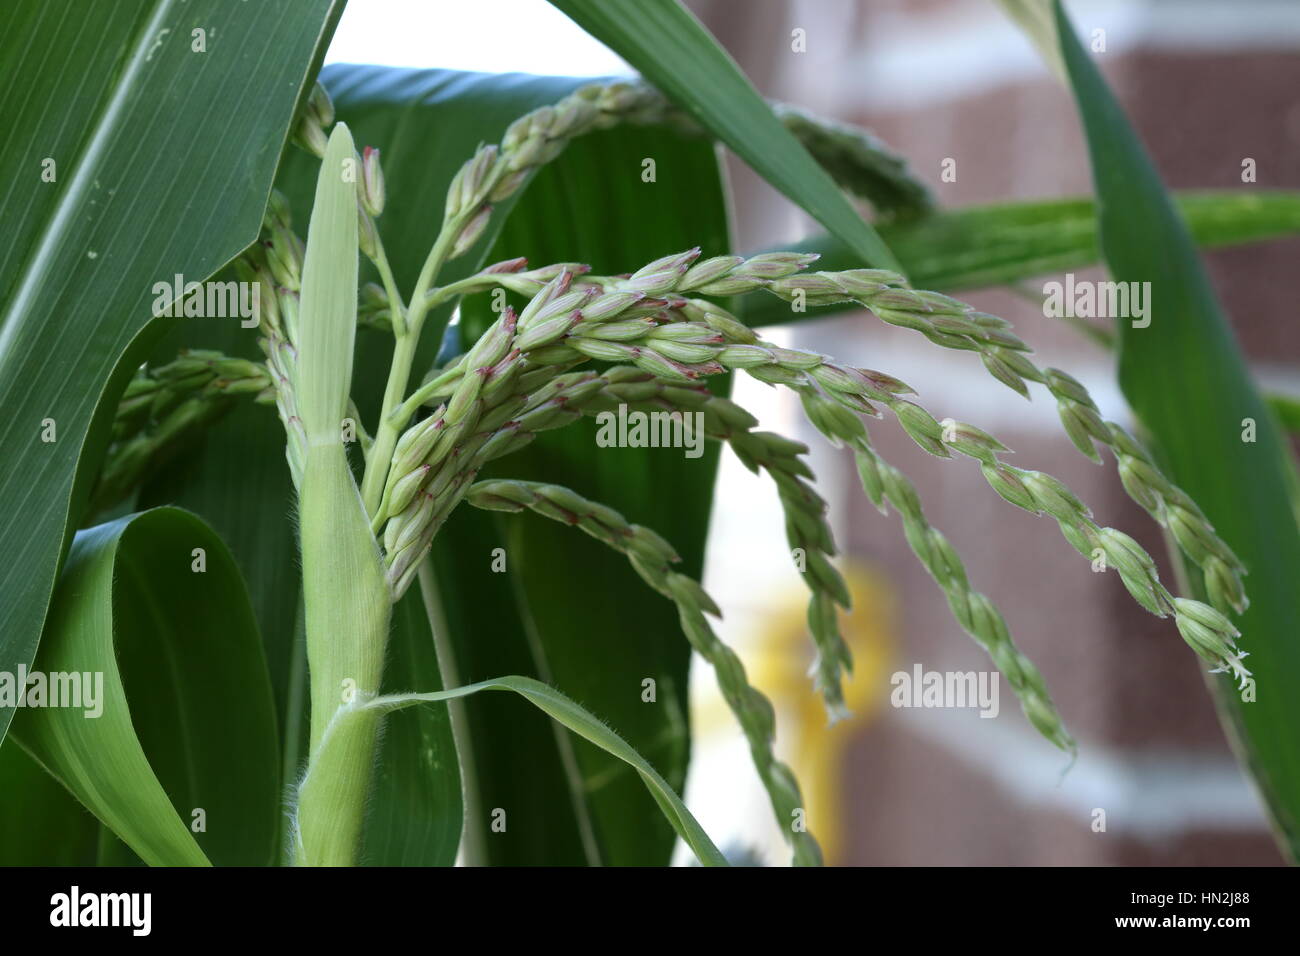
(949, 788)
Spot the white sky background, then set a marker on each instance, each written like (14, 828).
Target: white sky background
(494, 36)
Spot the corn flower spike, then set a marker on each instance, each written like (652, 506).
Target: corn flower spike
(692, 338)
(279, 316)
(856, 160)
(163, 407)
(317, 117)
(807, 531)
(952, 324)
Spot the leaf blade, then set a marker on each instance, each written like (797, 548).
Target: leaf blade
(118, 231)
(170, 643)
(974, 247)
(1187, 380)
(676, 54)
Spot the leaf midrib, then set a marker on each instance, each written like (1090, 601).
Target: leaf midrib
(38, 265)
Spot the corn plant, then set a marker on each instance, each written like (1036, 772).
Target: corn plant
(394, 422)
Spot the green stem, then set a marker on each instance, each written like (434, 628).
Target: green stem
(471, 845)
(435, 386)
(396, 307)
(399, 373)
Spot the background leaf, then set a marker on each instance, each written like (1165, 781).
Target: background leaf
(185, 694)
(236, 478)
(1189, 384)
(953, 250)
(674, 52)
(162, 167)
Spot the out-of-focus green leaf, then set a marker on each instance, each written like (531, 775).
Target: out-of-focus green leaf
(1187, 380)
(979, 246)
(238, 480)
(153, 615)
(161, 159)
(675, 53)
(1287, 410)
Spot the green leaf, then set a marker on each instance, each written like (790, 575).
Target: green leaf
(1189, 384)
(979, 246)
(185, 696)
(577, 719)
(162, 161)
(238, 481)
(676, 54)
(1287, 410)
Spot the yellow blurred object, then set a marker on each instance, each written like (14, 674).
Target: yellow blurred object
(779, 659)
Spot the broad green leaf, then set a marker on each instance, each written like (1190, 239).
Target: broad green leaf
(161, 161)
(580, 721)
(186, 729)
(237, 480)
(1189, 384)
(979, 246)
(676, 54)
